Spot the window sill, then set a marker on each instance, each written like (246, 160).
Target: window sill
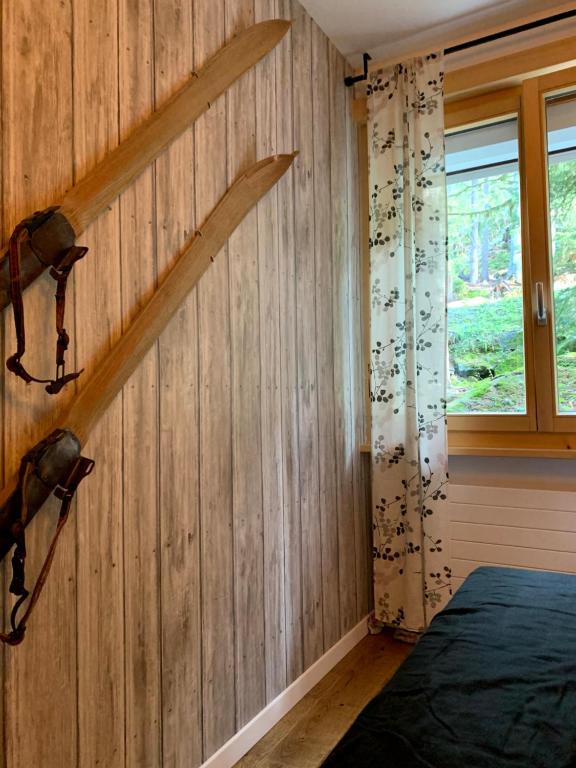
(551, 445)
(545, 445)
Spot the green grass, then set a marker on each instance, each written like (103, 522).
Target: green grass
(488, 338)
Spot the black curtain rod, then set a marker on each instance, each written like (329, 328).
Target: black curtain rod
(480, 40)
(512, 31)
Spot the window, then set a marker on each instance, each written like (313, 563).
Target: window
(561, 150)
(511, 183)
(485, 306)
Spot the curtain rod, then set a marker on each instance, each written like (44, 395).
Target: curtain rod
(512, 31)
(348, 81)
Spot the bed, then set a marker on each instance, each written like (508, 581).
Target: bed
(491, 684)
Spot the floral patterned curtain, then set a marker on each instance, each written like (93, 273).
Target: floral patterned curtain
(408, 342)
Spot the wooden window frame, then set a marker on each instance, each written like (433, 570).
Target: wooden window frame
(474, 112)
(541, 432)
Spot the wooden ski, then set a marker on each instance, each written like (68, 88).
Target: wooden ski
(100, 390)
(91, 196)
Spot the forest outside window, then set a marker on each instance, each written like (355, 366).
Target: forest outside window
(511, 185)
(485, 307)
(561, 141)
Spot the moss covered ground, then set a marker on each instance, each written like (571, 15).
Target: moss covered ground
(487, 355)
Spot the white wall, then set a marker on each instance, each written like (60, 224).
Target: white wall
(551, 474)
(518, 527)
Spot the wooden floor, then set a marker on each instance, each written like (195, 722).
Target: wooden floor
(307, 734)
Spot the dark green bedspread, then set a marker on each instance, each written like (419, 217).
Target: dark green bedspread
(491, 684)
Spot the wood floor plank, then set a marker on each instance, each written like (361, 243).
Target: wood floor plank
(139, 406)
(100, 570)
(323, 195)
(37, 168)
(288, 360)
(270, 375)
(305, 736)
(306, 338)
(179, 417)
(246, 407)
(290, 723)
(216, 522)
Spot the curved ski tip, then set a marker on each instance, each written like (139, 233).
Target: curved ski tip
(287, 158)
(276, 27)
(284, 24)
(271, 167)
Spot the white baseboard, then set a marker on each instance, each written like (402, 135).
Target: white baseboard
(229, 754)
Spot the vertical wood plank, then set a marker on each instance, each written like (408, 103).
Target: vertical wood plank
(245, 420)
(364, 243)
(324, 335)
(246, 416)
(217, 563)
(288, 360)
(361, 512)
(98, 300)
(179, 454)
(37, 167)
(270, 371)
(365, 461)
(4, 566)
(139, 407)
(342, 372)
(364, 231)
(306, 337)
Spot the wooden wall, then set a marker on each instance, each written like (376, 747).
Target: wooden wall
(222, 544)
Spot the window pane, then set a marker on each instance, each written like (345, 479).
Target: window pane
(561, 124)
(485, 312)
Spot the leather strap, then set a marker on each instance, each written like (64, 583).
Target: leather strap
(60, 274)
(80, 470)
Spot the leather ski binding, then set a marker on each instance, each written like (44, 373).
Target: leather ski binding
(54, 466)
(48, 236)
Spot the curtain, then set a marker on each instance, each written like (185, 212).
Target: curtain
(408, 342)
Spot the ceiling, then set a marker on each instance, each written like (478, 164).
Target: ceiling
(391, 28)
